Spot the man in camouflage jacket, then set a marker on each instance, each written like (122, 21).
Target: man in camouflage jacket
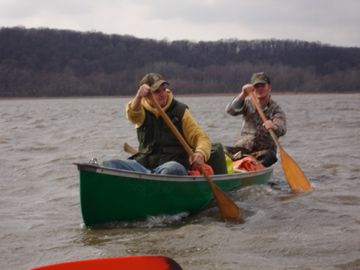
(254, 139)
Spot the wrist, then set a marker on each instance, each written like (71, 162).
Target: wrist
(200, 154)
(135, 103)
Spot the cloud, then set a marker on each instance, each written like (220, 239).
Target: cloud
(327, 21)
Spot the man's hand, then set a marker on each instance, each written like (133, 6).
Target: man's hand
(268, 124)
(246, 90)
(198, 160)
(143, 91)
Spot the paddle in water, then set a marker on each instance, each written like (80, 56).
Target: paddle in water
(228, 209)
(294, 175)
(117, 263)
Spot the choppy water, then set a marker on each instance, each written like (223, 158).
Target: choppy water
(40, 219)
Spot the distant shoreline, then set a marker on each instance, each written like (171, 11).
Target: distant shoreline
(179, 95)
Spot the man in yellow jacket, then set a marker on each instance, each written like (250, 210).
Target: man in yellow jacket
(159, 150)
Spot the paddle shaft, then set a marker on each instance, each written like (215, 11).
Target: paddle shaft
(130, 149)
(294, 175)
(228, 209)
(264, 119)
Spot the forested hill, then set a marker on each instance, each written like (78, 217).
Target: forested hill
(49, 62)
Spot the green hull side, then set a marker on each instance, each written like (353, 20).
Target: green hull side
(107, 197)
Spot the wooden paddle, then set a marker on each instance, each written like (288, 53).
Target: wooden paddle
(129, 149)
(294, 175)
(228, 209)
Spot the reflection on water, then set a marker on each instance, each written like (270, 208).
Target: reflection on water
(40, 217)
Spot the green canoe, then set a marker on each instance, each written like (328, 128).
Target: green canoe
(109, 195)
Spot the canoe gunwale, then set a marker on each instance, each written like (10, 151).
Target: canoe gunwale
(167, 178)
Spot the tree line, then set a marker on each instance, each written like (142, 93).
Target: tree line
(50, 62)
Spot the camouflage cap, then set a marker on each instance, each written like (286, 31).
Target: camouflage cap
(259, 77)
(154, 80)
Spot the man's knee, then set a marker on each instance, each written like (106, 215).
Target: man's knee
(171, 168)
(111, 163)
(129, 165)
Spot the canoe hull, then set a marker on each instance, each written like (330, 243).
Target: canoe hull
(109, 195)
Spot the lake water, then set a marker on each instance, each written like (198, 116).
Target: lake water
(40, 218)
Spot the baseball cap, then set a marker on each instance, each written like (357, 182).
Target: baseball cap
(259, 77)
(154, 80)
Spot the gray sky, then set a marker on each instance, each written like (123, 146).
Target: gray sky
(335, 22)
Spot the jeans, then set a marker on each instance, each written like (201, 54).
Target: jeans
(170, 167)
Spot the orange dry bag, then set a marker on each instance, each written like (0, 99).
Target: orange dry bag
(195, 171)
(248, 163)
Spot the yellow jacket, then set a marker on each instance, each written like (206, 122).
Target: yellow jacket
(193, 134)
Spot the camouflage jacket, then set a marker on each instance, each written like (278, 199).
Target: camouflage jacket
(254, 137)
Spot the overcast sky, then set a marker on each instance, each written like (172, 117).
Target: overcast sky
(335, 22)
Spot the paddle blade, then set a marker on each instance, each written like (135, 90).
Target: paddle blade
(294, 175)
(125, 263)
(228, 209)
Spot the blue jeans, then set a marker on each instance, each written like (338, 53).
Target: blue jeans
(170, 167)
